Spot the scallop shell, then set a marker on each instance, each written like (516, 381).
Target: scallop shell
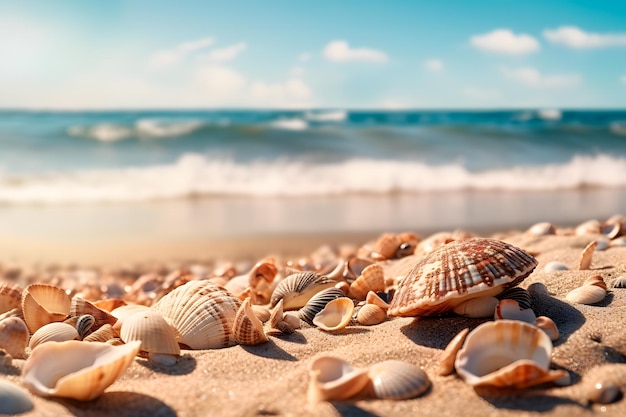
(13, 400)
(510, 310)
(53, 332)
(103, 334)
(151, 329)
(586, 294)
(506, 353)
(585, 257)
(74, 369)
(202, 312)
(14, 336)
(10, 296)
(318, 302)
(386, 246)
(548, 326)
(371, 279)
(43, 304)
(519, 294)
(332, 379)
(247, 328)
(80, 307)
(459, 271)
(297, 289)
(446, 362)
(336, 315)
(555, 266)
(397, 380)
(371, 314)
(541, 229)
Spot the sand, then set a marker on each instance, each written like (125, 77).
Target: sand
(271, 379)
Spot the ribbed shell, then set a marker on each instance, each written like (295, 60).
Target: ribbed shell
(151, 329)
(80, 307)
(297, 289)
(458, 271)
(397, 380)
(372, 278)
(43, 304)
(247, 328)
(10, 296)
(202, 312)
(13, 336)
(371, 314)
(522, 296)
(318, 302)
(53, 332)
(104, 333)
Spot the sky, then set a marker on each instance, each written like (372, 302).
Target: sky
(312, 54)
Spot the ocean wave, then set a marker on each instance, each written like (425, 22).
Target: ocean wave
(195, 175)
(290, 124)
(327, 116)
(142, 128)
(550, 114)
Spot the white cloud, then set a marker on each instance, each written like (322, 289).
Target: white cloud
(481, 94)
(192, 46)
(297, 72)
(504, 41)
(533, 78)
(219, 82)
(228, 53)
(574, 37)
(340, 51)
(169, 57)
(304, 57)
(434, 65)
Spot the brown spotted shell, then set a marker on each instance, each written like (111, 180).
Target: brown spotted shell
(459, 271)
(247, 328)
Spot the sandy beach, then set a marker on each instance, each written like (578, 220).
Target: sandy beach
(272, 378)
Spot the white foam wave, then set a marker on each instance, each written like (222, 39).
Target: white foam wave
(104, 132)
(156, 128)
(618, 128)
(195, 175)
(290, 124)
(327, 116)
(145, 128)
(550, 114)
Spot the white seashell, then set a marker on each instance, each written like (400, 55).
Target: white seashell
(618, 242)
(371, 279)
(373, 298)
(13, 400)
(555, 266)
(596, 280)
(585, 257)
(397, 380)
(152, 330)
(53, 332)
(510, 310)
(297, 289)
(332, 379)
(479, 307)
(541, 229)
(247, 328)
(14, 336)
(318, 302)
(336, 315)
(590, 227)
(74, 369)
(506, 353)
(446, 362)
(548, 326)
(43, 304)
(586, 294)
(371, 314)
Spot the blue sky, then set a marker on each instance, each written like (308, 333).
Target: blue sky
(296, 54)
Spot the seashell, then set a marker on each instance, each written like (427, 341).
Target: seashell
(80, 307)
(619, 282)
(14, 312)
(519, 294)
(238, 285)
(371, 279)
(386, 246)
(247, 328)
(151, 329)
(84, 325)
(479, 307)
(510, 310)
(612, 230)
(602, 384)
(297, 289)
(284, 327)
(203, 313)
(371, 314)
(373, 298)
(10, 296)
(555, 266)
(457, 272)
(596, 280)
(43, 304)
(292, 320)
(506, 353)
(264, 270)
(277, 314)
(344, 287)
(396, 380)
(541, 229)
(332, 379)
(110, 304)
(53, 332)
(336, 315)
(14, 336)
(318, 302)
(602, 243)
(548, 326)
(585, 258)
(74, 369)
(262, 312)
(13, 400)
(618, 242)
(355, 266)
(590, 227)
(603, 393)
(586, 294)
(103, 334)
(446, 362)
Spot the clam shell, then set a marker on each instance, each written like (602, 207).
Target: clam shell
(336, 315)
(446, 362)
(371, 279)
(585, 257)
(10, 296)
(43, 304)
(555, 266)
(103, 334)
(152, 330)
(397, 380)
(371, 314)
(247, 328)
(548, 326)
(541, 229)
(202, 312)
(510, 310)
(587, 294)
(521, 295)
(52, 332)
(13, 400)
(297, 289)
(14, 336)
(459, 271)
(506, 353)
(80, 307)
(332, 379)
(75, 369)
(318, 302)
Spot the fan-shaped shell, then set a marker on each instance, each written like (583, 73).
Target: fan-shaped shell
(371, 314)
(13, 400)
(76, 369)
(397, 380)
(53, 332)
(103, 334)
(202, 312)
(297, 289)
(333, 378)
(318, 302)
(336, 315)
(151, 329)
(459, 271)
(506, 353)
(43, 304)
(586, 294)
(13, 336)
(10, 296)
(371, 279)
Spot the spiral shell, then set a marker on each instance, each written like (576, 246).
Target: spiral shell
(247, 328)
(297, 289)
(14, 336)
(318, 302)
(43, 304)
(336, 315)
(397, 380)
(53, 332)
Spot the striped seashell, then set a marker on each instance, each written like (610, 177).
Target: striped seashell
(80, 307)
(81, 371)
(53, 332)
(555, 266)
(318, 302)
(297, 289)
(619, 282)
(334, 379)
(596, 280)
(10, 296)
(541, 229)
(13, 400)
(247, 328)
(586, 294)
(519, 294)
(446, 362)
(508, 309)
(336, 315)
(585, 257)
(371, 279)
(152, 330)
(85, 324)
(14, 336)
(103, 334)
(43, 304)
(370, 315)
(396, 380)
(457, 272)
(202, 312)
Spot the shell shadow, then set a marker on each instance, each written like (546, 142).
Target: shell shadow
(295, 337)
(351, 409)
(529, 401)
(10, 370)
(270, 350)
(184, 365)
(119, 403)
(436, 332)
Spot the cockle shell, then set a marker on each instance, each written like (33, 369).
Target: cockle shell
(371, 314)
(318, 302)
(371, 279)
(586, 294)
(202, 312)
(446, 361)
(459, 271)
(43, 304)
(336, 315)
(10, 296)
(506, 353)
(297, 289)
(14, 336)
(13, 400)
(74, 369)
(152, 330)
(508, 309)
(541, 229)
(247, 328)
(333, 379)
(53, 332)
(396, 380)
